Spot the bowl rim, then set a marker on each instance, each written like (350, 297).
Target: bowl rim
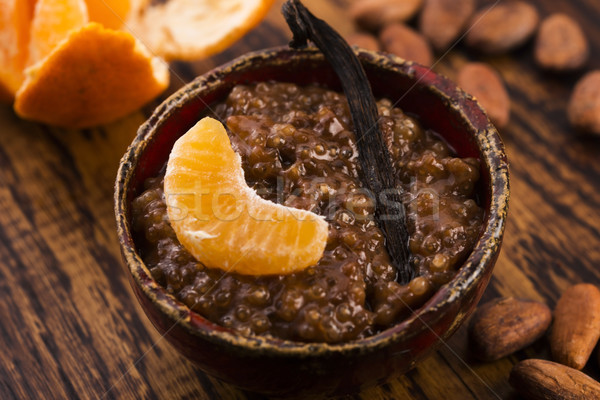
(468, 275)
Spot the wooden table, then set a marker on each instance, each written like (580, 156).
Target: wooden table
(71, 327)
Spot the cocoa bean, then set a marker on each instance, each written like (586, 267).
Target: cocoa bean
(404, 42)
(443, 21)
(485, 84)
(503, 326)
(374, 14)
(502, 27)
(561, 44)
(363, 40)
(546, 380)
(576, 326)
(584, 104)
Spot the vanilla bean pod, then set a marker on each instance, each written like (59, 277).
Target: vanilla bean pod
(373, 154)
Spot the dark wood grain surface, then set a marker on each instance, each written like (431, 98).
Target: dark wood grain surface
(70, 326)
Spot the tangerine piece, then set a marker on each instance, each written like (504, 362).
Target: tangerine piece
(192, 29)
(110, 13)
(222, 222)
(15, 22)
(93, 77)
(53, 20)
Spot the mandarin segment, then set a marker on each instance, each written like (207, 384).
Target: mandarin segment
(110, 13)
(53, 20)
(93, 77)
(222, 222)
(192, 29)
(15, 22)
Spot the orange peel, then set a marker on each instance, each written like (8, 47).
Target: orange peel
(110, 13)
(48, 30)
(15, 22)
(192, 29)
(93, 77)
(49, 69)
(222, 222)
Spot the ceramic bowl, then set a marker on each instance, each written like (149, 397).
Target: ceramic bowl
(280, 367)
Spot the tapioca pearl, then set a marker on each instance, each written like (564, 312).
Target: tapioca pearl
(340, 254)
(384, 314)
(260, 323)
(430, 169)
(206, 304)
(182, 257)
(188, 273)
(294, 172)
(304, 153)
(453, 236)
(351, 269)
(415, 242)
(312, 316)
(431, 245)
(330, 331)
(189, 296)
(244, 330)
(351, 239)
(346, 152)
(154, 233)
(139, 203)
(313, 167)
(257, 103)
(357, 293)
(263, 88)
(471, 210)
(439, 263)
(419, 286)
(383, 110)
(259, 296)
(286, 131)
(290, 88)
(440, 149)
(202, 283)
(465, 175)
(428, 203)
(316, 292)
(344, 217)
(343, 312)
(306, 331)
(227, 321)
(320, 150)
(326, 190)
(262, 154)
(376, 235)
(360, 204)
(292, 300)
(406, 131)
(275, 141)
(362, 317)
(384, 270)
(223, 298)
(263, 170)
(242, 313)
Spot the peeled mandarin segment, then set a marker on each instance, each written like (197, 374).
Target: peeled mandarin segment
(110, 13)
(192, 29)
(15, 22)
(53, 20)
(222, 222)
(95, 76)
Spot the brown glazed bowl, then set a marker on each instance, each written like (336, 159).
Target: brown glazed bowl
(284, 368)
